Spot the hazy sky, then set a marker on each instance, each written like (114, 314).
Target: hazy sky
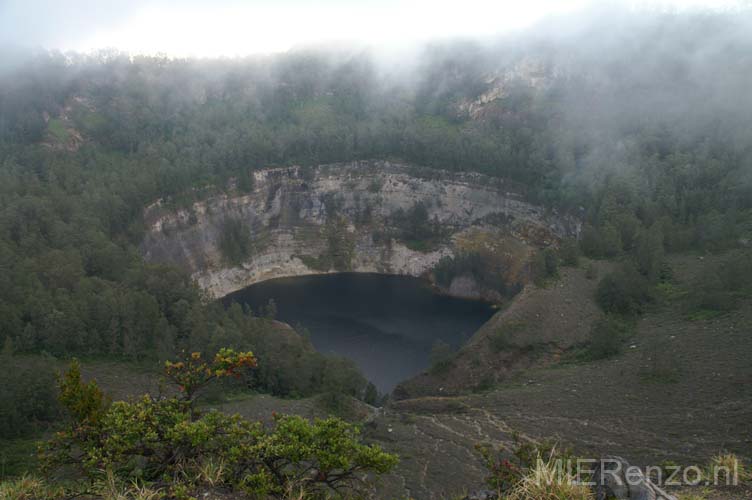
(234, 27)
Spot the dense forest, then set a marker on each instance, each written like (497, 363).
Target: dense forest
(647, 137)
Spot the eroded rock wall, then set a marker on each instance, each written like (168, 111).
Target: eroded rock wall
(293, 214)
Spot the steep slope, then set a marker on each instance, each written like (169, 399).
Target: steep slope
(534, 329)
(352, 217)
(681, 391)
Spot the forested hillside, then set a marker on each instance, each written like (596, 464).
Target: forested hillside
(646, 136)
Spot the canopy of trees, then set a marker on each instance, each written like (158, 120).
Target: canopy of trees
(86, 142)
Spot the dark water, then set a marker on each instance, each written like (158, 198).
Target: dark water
(386, 324)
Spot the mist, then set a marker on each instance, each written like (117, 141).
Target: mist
(591, 83)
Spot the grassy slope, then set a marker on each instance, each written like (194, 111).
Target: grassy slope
(536, 327)
(682, 390)
(697, 403)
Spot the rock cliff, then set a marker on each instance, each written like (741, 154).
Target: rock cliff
(347, 217)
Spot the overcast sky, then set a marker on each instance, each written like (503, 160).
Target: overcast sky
(234, 27)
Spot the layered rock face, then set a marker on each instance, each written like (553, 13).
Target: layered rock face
(344, 217)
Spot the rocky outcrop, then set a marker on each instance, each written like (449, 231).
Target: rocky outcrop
(341, 217)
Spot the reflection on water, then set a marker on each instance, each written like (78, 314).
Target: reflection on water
(386, 324)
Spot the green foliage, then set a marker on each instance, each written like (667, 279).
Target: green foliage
(85, 402)
(649, 252)
(508, 467)
(245, 181)
(340, 246)
(604, 241)
(315, 457)
(70, 221)
(544, 266)
(18, 457)
(569, 253)
(415, 229)
(235, 241)
(481, 267)
(624, 291)
(611, 242)
(193, 373)
(372, 396)
(27, 396)
(340, 381)
(158, 438)
(503, 474)
(57, 129)
(606, 337)
(74, 283)
(590, 243)
(722, 287)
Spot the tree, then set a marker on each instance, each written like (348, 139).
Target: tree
(27, 397)
(569, 253)
(610, 240)
(371, 395)
(606, 337)
(545, 265)
(591, 243)
(649, 252)
(235, 241)
(193, 373)
(624, 291)
(155, 438)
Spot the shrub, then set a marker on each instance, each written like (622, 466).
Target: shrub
(482, 268)
(606, 338)
(27, 393)
(235, 241)
(503, 473)
(649, 252)
(194, 373)
(414, 228)
(590, 243)
(545, 265)
(510, 475)
(610, 240)
(720, 288)
(569, 253)
(156, 438)
(624, 291)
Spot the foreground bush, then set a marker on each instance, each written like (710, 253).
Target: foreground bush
(27, 393)
(166, 442)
